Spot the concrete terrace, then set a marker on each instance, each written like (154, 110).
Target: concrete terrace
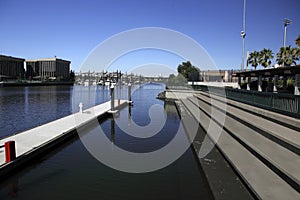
(263, 152)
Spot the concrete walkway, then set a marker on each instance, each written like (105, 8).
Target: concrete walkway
(29, 141)
(270, 170)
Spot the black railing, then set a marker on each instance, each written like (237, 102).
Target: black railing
(287, 104)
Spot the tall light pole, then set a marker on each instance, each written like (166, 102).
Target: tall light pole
(285, 22)
(243, 35)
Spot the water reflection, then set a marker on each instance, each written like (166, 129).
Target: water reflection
(23, 108)
(13, 188)
(112, 130)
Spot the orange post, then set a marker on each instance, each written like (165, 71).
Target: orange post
(119, 102)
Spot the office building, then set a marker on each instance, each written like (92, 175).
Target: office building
(11, 67)
(48, 69)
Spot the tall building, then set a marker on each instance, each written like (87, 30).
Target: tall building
(48, 68)
(11, 67)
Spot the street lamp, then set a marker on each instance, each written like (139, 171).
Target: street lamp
(285, 22)
(243, 34)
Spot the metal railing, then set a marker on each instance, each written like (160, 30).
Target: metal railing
(287, 104)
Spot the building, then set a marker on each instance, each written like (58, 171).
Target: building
(267, 80)
(11, 67)
(217, 76)
(48, 69)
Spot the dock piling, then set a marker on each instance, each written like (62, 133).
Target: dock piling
(10, 151)
(112, 98)
(129, 92)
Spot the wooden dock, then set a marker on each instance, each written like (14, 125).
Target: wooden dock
(35, 141)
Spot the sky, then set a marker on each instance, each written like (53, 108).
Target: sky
(73, 29)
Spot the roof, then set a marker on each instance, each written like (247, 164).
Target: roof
(281, 71)
(47, 59)
(3, 57)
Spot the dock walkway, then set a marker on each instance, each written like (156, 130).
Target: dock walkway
(31, 141)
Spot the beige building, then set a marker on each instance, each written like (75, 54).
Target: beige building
(48, 68)
(11, 67)
(218, 75)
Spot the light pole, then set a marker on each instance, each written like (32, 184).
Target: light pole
(243, 35)
(285, 22)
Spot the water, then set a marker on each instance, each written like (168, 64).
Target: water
(71, 172)
(23, 108)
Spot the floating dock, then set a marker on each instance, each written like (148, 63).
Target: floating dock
(33, 142)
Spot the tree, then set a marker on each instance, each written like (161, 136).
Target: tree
(72, 75)
(185, 68)
(254, 58)
(181, 80)
(172, 76)
(295, 54)
(265, 57)
(178, 80)
(297, 41)
(287, 56)
(171, 79)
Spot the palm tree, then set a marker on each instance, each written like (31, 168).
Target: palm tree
(297, 41)
(254, 58)
(295, 54)
(265, 57)
(287, 56)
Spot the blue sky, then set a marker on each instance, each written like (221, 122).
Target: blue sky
(72, 29)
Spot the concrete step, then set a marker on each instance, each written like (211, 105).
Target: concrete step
(278, 118)
(262, 181)
(285, 162)
(223, 181)
(285, 136)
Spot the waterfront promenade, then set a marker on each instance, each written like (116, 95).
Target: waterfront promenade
(33, 141)
(262, 151)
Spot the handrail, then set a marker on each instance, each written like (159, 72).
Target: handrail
(287, 104)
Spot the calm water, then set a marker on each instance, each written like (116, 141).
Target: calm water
(71, 172)
(22, 108)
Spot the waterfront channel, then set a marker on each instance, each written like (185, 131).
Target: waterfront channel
(71, 172)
